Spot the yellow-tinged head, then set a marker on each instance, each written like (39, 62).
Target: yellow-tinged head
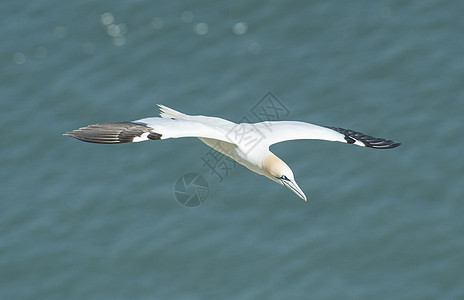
(278, 171)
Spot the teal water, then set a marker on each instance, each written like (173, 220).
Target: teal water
(85, 221)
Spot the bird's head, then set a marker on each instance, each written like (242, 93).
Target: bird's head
(280, 172)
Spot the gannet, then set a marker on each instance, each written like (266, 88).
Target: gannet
(246, 143)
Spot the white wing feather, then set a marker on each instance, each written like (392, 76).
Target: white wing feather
(174, 124)
(280, 131)
(178, 128)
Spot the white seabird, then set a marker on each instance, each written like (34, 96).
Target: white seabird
(246, 143)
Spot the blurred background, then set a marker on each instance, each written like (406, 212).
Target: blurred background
(86, 221)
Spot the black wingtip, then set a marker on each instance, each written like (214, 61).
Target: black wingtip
(69, 133)
(113, 133)
(394, 145)
(352, 136)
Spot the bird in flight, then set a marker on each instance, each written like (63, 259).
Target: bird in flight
(246, 143)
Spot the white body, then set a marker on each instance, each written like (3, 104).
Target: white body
(246, 143)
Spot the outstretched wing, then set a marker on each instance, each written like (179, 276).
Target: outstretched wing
(146, 129)
(279, 131)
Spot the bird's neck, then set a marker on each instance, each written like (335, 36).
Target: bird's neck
(272, 164)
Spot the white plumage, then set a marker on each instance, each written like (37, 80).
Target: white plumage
(246, 143)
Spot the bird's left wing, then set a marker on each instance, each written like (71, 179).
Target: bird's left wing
(279, 131)
(146, 129)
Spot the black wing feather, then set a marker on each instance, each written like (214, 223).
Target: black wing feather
(113, 133)
(352, 136)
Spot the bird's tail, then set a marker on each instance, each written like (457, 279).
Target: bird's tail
(168, 113)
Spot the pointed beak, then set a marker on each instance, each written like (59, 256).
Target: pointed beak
(294, 187)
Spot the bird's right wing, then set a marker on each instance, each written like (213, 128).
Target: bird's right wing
(147, 129)
(279, 131)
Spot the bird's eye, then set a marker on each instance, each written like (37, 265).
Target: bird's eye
(284, 177)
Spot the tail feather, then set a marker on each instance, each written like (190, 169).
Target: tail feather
(168, 113)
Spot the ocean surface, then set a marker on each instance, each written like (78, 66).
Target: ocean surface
(88, 221)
